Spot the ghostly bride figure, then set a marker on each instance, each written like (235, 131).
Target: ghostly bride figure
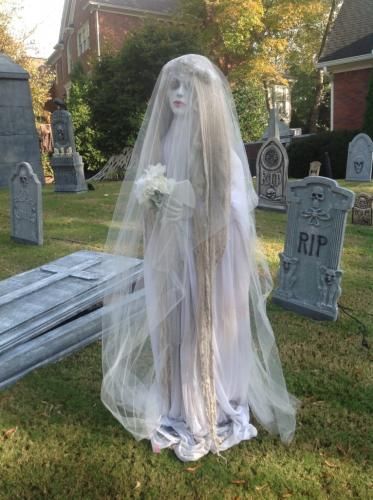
(189, 355)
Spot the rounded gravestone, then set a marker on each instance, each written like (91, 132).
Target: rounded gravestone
(360, 159)
(18, 137)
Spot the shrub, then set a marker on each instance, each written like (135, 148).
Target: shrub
(312, 148)
(251, 110)
(122, 83)
(86, 137)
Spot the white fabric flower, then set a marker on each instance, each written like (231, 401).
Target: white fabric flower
(153, 186)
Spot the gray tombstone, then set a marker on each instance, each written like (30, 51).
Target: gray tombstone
(54, 310)
(18, 136)
(67, 164)
(314, 168)
(309, 276)
(26, 205)
(272, 170)
(360, 159)
(362, 213)
(285, 133)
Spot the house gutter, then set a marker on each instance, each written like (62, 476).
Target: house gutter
(98, 33)
(324, 65)
(108, 7)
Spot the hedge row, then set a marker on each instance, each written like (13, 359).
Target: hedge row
(313, 148)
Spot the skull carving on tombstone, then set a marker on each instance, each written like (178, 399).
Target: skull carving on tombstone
(23, 177)
(317, 196)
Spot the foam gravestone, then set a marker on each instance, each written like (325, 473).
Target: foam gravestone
(66, 162)
(360, 159)
(18, 137)
(362, 213)
(54, 310)
(310, 276)
(314, 168)
(272, 170)
(26, 205)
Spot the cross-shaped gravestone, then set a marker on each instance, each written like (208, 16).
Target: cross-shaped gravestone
(67, 164)
(272, 170)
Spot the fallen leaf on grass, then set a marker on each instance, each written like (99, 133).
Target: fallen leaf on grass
(238, 481)
(138, 484)
(260, 488)
(7, 434)
(330, 464)
(192, 469)
(286, 495)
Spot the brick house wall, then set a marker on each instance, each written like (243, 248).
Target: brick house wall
(350, 93)
(113, 29)
(81, 16)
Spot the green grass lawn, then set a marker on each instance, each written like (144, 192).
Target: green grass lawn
(58, 441)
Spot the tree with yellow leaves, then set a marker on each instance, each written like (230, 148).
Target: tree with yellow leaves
(260, 41)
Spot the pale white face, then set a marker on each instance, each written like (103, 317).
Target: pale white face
(180, 94)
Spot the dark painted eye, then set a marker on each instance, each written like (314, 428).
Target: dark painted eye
(174, 84)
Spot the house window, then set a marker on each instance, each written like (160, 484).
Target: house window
(282, 98)
(83, 39)
(69, 57)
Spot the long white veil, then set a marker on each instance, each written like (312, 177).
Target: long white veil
(190, 351)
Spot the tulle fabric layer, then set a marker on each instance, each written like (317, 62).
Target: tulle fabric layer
(152, 376)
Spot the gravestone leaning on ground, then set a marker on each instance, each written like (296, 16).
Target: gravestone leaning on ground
(309, 276)
(272, 170)
(55, 310)
(360, 159)
(26, 205)
(18, 136)
(67, 164)
(362, 212)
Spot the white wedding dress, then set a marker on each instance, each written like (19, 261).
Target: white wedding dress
(190, 356)
(183, 423)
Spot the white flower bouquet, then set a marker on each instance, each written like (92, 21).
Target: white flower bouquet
(153, 186)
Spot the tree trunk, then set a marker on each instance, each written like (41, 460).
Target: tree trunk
(314, 113)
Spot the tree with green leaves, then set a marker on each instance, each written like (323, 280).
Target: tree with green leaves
(251, 110)
(85, 135)
(265, 41)
(122, 83)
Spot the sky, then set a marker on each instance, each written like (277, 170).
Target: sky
(40, 21)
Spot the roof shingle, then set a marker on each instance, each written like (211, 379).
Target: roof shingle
(352, 32)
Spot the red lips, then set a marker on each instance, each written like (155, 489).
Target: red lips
(179, 104)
